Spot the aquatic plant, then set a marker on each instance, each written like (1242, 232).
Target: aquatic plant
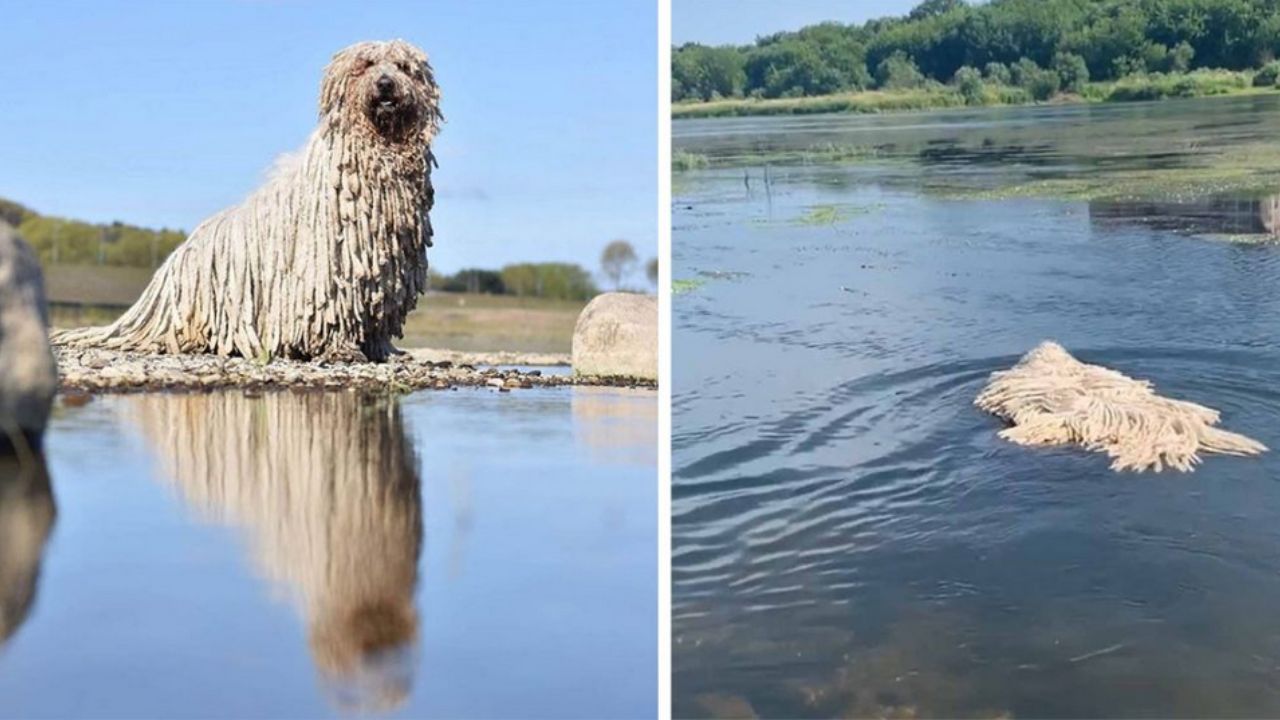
(1246, 169)
(820, 154)
(681, 287)
(830, 214)
(821, 215)
(1051, 398)
(683, 161)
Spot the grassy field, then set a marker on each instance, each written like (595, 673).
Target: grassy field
(93, 295)
(458, 321)
(1153, 86)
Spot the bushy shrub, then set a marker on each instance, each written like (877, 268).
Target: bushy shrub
(1268, 75)
(969, 82)
(998, 73)
(1072, 71)
(473, 280)
(559, 281)
(1040, 83)
(898, 72)
(1022, 72)
(1180, 57)
(1044, 85)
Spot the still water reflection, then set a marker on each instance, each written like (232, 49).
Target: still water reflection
(325, 488)
(27, 513)
(305, 554)
(1231, 215)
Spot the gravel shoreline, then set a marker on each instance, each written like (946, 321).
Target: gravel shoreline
(110, 371)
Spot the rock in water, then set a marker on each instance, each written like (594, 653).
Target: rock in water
(1051, 398)
(617, 336)
(28, 375)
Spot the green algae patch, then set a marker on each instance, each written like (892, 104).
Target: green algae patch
(686, 286)
(823, 215)
(1248, 170)
(831, 214)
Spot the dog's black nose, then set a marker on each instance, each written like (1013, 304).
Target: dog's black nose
(386, 84)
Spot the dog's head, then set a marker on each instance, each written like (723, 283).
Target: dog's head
(389, 86)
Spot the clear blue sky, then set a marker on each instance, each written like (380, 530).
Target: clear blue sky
(736, 22)
(161, 113)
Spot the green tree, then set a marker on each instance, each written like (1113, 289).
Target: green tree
(789, 69)
(1268, 75)
(929, 8)
(969, 82)
(1044, 84)
(62, 241)
(1023, 72)
(1180, 57)
(706, 73)
(1071, 70)
(998, 73)
(13, 213)
(617, 261)
(1114, 38)
(475, 280)
(651, 271)
(556, 281)
(898, 71)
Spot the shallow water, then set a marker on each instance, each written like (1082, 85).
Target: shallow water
(851, 537)
(449, 554)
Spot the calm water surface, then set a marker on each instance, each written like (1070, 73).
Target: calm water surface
(450, 554)
(851, 537)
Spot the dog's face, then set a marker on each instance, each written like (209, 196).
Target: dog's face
(388, 85)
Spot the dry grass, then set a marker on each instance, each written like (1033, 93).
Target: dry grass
(476, 323)
(99, 285)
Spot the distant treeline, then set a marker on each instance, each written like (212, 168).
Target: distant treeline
(1040, 46)
(72, 242)
(556, 281)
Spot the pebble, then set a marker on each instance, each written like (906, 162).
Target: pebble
(76, 399)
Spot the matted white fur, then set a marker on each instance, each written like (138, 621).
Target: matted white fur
(326, 258)
(1051, 398)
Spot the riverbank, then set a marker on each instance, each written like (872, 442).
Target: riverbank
(107, 371)
(1153, 86)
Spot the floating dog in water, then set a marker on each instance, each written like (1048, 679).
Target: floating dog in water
(1051, 398)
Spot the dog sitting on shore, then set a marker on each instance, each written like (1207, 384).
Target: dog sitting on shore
(328, 257)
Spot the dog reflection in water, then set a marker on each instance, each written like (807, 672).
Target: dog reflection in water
(27, 513)
(325, 486)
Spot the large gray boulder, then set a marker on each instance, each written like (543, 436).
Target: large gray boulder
(617, 336)
(28, 375)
